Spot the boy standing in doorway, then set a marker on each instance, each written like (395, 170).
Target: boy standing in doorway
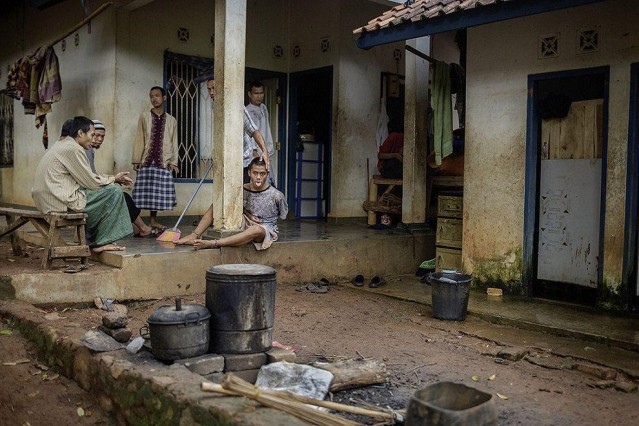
(259, 114)
(155, 157)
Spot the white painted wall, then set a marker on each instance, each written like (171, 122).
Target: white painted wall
(87, 82)
(356, 109)
(112, 84)
(500, 58)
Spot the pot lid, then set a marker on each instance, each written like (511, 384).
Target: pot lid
(179, 313)
(241, 269)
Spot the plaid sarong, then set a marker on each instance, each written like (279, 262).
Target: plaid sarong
(108, 217)
(154, 189)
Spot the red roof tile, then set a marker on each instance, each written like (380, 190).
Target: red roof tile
(422, 9)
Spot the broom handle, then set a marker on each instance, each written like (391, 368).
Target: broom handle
(199, 185)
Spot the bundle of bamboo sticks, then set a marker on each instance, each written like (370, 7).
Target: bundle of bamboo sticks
(299, 406)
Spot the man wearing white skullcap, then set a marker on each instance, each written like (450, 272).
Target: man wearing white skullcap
(140, 228)
(98, 138)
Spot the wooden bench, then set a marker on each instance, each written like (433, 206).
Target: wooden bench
(48, 226)
(373, 192)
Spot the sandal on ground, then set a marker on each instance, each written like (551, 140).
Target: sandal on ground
(377, 282)
(323, 282)
(154, 233)
(358, 281)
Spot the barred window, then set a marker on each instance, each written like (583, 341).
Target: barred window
(188, 101)
(6, 130)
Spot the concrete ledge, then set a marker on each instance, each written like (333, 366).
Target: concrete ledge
(172, 271)
(137, 389)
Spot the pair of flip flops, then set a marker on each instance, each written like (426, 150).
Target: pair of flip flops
(375, 282)
(321, 286)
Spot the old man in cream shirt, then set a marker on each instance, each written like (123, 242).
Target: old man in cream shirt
(64, 181)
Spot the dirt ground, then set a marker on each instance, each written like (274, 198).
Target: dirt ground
(343, 323)
(34, 394)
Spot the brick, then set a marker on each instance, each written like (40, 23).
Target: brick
(240, 362)
(512, 354)
(215, 377)
(115, 320)
(626, 386)
(279, 354)
(204, 365)
(121, 335)
(248, 375)
(597, 371)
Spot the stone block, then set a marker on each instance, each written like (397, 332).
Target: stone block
(204, 365)
(626, 386)
(240, 362)
(115, 320)
(279, 354)
(512, 354)
(121, 335)
(603, 373)
(248, 375)
(215, 377)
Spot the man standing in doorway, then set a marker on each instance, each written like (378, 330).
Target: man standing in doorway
(259, 114)
(155, 158)
(250, 130)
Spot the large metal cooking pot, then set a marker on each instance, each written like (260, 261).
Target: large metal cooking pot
(180, 331)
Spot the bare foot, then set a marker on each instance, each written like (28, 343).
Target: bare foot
(188, 240)
(108, 247)
(204, 244)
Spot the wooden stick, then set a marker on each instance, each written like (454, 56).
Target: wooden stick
(420, 54)
(374, 412)
(86, 20)
(354, 373)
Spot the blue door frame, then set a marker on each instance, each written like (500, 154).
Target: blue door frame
(292, 137)
(532, 176)
(629, 274)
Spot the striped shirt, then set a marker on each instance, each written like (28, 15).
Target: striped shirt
(60, 177)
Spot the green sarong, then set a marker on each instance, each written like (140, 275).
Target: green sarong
(108, 217)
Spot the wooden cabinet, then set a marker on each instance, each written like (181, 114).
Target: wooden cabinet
(448, 239)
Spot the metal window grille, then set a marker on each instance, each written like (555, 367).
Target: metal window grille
(6, 130)
(183, 102)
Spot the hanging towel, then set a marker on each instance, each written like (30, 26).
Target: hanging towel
(443, 112)
(382, 124)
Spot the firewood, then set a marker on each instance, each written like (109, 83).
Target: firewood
(354, 373)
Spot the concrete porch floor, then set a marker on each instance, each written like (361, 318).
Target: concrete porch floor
(305, 251)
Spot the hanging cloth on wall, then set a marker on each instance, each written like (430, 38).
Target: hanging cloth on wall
(35, 79)
(442, 107)
(382, 124)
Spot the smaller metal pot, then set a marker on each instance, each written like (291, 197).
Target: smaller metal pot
(180, 331)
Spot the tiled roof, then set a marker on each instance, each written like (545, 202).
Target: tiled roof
(422, 9)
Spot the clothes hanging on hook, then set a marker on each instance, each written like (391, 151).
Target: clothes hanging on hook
(35, 79)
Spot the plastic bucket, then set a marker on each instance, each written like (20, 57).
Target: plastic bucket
(449, 403)
(449, 295)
